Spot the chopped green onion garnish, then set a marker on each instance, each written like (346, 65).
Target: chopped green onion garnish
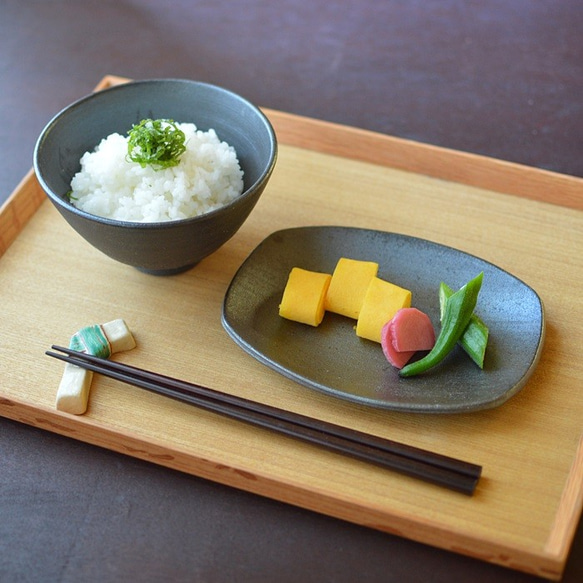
(158, 143)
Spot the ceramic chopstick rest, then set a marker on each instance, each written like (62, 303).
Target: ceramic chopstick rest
(101, 340)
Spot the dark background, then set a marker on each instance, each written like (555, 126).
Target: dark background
(494, 77)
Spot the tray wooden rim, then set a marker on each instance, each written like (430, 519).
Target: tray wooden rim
(470, 169)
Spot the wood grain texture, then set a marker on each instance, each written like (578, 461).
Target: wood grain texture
(19, 207)
(529, 499)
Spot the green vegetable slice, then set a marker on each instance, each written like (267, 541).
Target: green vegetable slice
(458, 311)
(474, 339)
(156, 142)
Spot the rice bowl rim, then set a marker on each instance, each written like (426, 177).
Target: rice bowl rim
(207, 215)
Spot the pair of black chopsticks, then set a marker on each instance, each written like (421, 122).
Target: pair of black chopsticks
(418, 463)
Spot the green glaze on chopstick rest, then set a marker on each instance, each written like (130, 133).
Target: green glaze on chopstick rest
(101, 340)
(92, 340)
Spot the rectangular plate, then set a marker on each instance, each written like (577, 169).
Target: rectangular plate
(524, 220)
(334, 360)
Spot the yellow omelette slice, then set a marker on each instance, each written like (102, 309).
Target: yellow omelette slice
(304, 296)
(350, 281)
(382, 301)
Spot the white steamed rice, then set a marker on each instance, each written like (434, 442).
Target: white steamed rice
(207, 177)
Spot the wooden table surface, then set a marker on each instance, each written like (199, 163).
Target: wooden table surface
(495, 79)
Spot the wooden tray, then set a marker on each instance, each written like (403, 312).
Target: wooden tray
(527, 221)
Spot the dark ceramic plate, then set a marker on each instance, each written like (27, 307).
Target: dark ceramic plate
(332, 359)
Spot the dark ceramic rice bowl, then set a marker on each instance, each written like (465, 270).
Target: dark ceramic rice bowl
(169, 247)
